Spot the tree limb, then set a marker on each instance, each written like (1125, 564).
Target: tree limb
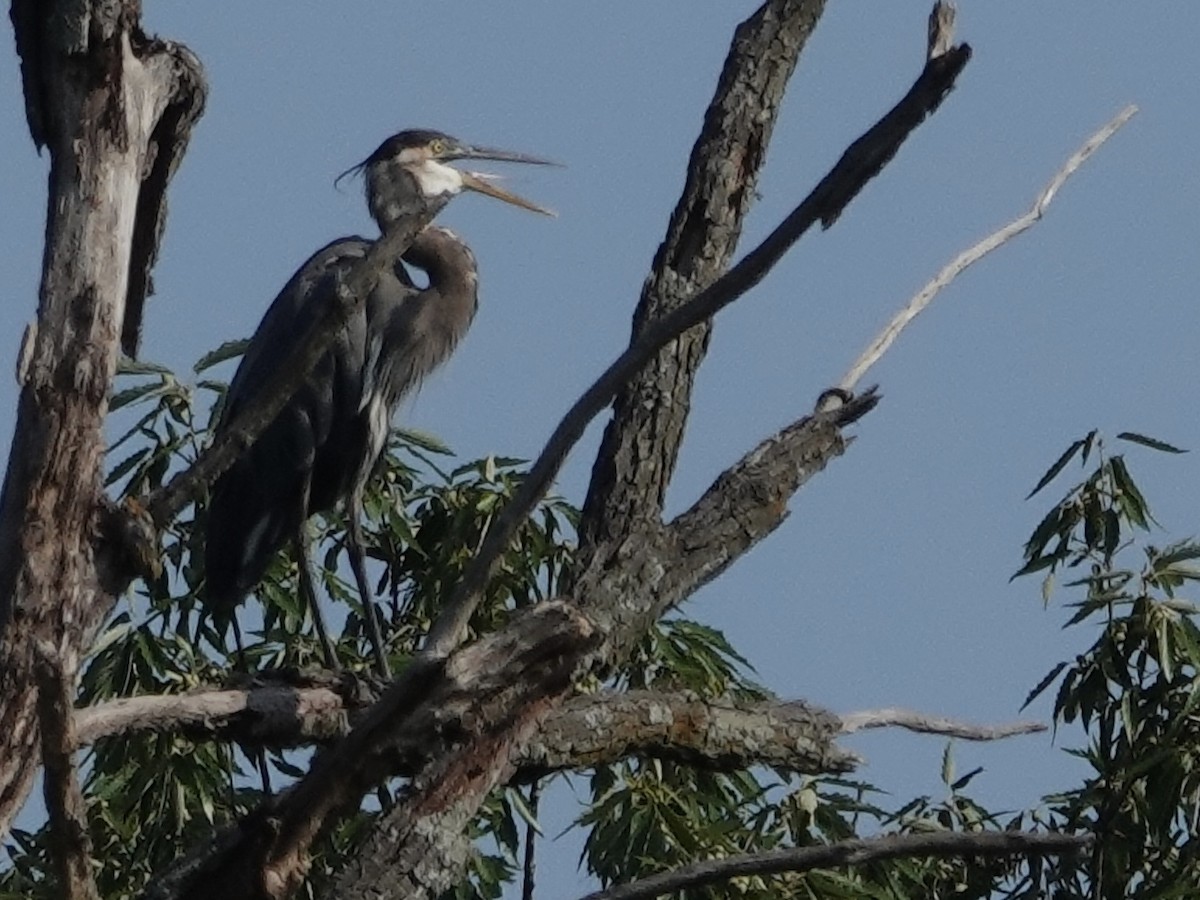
(72, 847)
(273, 715)
(926, 724)
(586, 731)
(449, 703)
(848, 853)
(626, 586)
(978, 251)
(861, 162)
(597, 729)
(421, 828)
(641, 441)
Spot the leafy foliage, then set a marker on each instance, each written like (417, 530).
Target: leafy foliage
(1132, 692)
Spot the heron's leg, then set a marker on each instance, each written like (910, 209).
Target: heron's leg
(242, 663)
(306, 580)
(358, 562)
(310, 593)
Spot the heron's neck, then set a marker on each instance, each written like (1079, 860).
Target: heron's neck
(450, 266)
(397, 194)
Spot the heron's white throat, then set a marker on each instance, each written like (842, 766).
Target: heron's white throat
(436, 179)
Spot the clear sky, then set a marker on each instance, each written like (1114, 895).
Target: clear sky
(889, 584)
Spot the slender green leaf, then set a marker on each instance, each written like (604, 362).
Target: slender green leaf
(1059, 465)
(128, 366)
(228, 350)
(1043, 684)
(1152, 443)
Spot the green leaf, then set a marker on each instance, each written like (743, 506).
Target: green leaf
(1036, 565)
(228, 350)
(1043, 684)
(1059, 465)
(431, 443)
(965, 779)
(135, 393)
(1132, 503)
(1152, 443)
(128, 366)
(125, 466)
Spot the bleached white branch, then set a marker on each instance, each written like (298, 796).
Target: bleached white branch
(915, 721)
(973, 254)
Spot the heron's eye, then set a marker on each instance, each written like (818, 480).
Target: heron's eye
(437, 147)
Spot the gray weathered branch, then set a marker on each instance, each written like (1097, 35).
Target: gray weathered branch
(461, 703)
(588, 730)
(923, 723)
(861, 162)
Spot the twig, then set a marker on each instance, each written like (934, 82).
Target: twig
(847, 853)
(861, 162)
(915, 721)
(72, 847)
(973, 254)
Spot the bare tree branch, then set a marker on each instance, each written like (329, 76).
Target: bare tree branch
(275, 715)
(987, 845)
(978, 251)
(861, 162)
(588, 730)
(72, 847)
(421, 838)
(597, 729)
(452, 702)
(926, 724)
(629, 587)
(749, 500)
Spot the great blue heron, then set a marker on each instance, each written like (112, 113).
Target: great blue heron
(321, 448)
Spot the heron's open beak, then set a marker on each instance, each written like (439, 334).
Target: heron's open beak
(481, 182)
(477, 181)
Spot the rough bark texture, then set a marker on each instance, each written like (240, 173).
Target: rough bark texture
(587, 731)
(64, 798)
(469, 701)
(598, 729)
(114, 110)
(641, 442)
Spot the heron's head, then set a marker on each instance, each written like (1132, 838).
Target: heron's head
(410, 173)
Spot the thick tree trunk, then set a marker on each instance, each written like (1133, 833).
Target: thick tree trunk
(114, 110)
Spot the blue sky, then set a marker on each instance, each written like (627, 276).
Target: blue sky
(889, 584)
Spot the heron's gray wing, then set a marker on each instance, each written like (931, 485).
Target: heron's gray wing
(287, 320)
(255, 506)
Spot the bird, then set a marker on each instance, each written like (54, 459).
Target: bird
(322, 447)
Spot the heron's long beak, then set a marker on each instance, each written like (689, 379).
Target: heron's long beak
(474, 152)
(476, 181)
